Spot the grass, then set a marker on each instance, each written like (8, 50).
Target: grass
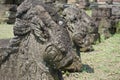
(105, 60)
(6, 31)
(89, 12)
(103, 63)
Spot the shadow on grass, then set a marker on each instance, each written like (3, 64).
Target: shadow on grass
(87, 68)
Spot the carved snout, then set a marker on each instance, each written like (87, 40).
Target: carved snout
(55, 59)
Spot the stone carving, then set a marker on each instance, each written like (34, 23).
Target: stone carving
(102, 18)
(81, 27)
(41, 47)
(106, 15)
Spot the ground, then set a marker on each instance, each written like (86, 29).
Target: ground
(101, 64)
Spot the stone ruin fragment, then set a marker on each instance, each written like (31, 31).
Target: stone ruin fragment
(41, 48)
(106, 15)
(83, 31)
(45, 34)
(81, 27)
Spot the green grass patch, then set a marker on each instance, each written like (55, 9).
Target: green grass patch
(105, 60)
(6, 31)
(89, 12)
(101, 64)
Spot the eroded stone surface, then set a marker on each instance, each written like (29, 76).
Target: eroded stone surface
(107, 16)
(41, 47)
(81, 27)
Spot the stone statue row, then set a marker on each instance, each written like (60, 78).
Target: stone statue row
(48, 39)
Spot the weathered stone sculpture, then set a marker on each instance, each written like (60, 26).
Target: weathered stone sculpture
(41, 47)
(101, 17)
(106, 15)
(82, 29)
